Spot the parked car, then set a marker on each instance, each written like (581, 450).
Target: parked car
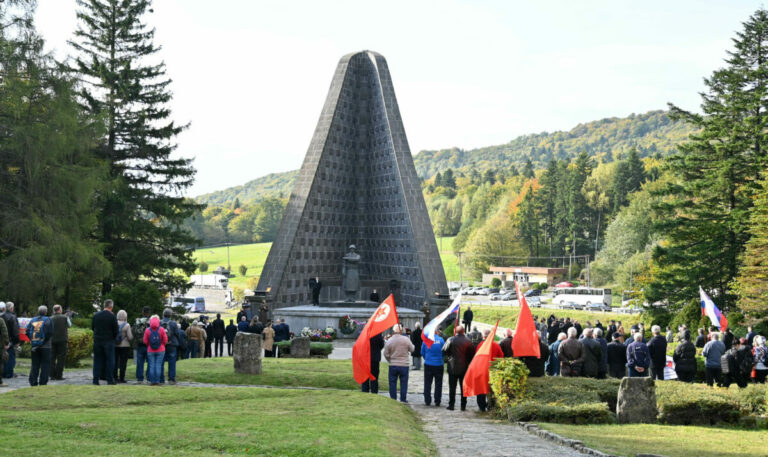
(571, 305)
(534, 302)
(494, 290)
(495, 297)
(509, 296)
(532, 293)
(483, 291)
(598, 307)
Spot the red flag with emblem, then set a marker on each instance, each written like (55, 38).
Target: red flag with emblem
(384, 318)
(526, 340)
(476, 378)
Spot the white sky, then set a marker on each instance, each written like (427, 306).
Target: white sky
(252, 75)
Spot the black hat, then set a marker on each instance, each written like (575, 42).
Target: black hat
(616, 334)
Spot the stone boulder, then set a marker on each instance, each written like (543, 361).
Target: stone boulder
(637, 401)
(247, 353)
(300, 347)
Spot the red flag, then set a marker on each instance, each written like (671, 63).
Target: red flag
(526, 340)
(384, 318)
(476, 378)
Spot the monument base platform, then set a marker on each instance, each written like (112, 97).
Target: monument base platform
(320, 317)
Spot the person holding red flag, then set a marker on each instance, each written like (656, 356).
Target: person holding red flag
(496, 353)
(383, 318)
(476, 379)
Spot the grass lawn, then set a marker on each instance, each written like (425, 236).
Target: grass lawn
(508, 315)
(334, 374)
(254, 255)
(668, 440)
(146, 421)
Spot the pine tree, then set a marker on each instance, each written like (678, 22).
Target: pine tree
(751, 284)
(528, 169)
(142, 208)
(705, 213)
(449, 180)
(48, 174)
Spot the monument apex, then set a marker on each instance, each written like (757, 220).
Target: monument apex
(357, 186)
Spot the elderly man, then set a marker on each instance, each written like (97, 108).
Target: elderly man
(552, 366)
(105, 330)
(396, 351)
(657, 348)
(506, 343)
(459, 351)
(638, 358)
(12, 325)
(617, 357)
(593, 354)
(40, 332)
(571, 354)
(61, 324)
(713, 352)
(602, 365)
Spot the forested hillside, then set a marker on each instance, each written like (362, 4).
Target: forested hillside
(651, 134)
(277, 185)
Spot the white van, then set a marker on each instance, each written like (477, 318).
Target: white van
(192, 304)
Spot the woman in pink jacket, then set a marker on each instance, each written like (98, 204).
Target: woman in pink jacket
(155, 338)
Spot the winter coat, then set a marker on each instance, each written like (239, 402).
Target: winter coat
(657, 347)
(433, 355)
(396, 350)
(602, 366)
(459, 352)
(552, 366)
(506, 346)
(416, 342)
(231, 331)
(571, 356)
(218, 328)
(712, 353)
(593, 356)
(104, 326)
(269, 338)
(127, 334)
(154, 324)
(377, 345)
(638, 355)
(701, 341)
(685, 357)
(617, 354)
(536, 364)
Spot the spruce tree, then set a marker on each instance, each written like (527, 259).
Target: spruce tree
(705, 213)
(142, 207)
(48, 174)
(751, 284)
(528, 169)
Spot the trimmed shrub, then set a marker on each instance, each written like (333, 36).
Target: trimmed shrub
(79, 346)
(81, 322)
(509, 380)
(693, 404)
(496, 282)
(315, 349)
(585, 413)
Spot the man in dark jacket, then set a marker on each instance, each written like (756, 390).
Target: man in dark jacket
(638, 358)
(685, 359)
(571, 355)
(602, 365)
(728, 339)
(218, 336)
(377, 345)
(61, 324)
(701, 339)
(736, 365)
(416, 342)
(12, 324)
(104, 326)
(208, 327)
(506, 344)
(617, 357)
(41, 353)
(657, 348)
(230, 331)
(459, 351)
(282, 331)
(593, 354)
(468, 317)
(536, 364)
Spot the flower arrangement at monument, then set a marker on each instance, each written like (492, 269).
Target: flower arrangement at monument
(347, 325)
(315, 334)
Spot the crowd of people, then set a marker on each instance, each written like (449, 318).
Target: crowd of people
(568, 348)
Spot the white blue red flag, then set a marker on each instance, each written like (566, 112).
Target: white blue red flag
(709, 309)
(428, 334)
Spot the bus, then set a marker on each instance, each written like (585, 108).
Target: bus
(582, 295)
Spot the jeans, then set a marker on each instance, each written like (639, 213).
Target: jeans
(193, 347)
(431, 373)
(104, 361)
(41, 366)
(155, 360)
(394, 374)
(452, 380)
(372, 386)
(59, 357)
(141, 357)
(713, 375)
(218, 345)
(636, 374)
(10, 364)
(171, 354)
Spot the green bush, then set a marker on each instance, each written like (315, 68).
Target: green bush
(496, 282)
(694, 404)
(81, 322)
(79, 346)
(508, 379)
(585, 413)
(315, 348)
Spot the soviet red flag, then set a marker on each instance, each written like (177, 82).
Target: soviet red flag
(476, 378)
(384, 318)
(526, 340)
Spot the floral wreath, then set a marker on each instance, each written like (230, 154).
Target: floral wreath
(347, 325)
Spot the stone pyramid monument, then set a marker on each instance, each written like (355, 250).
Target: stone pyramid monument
(357, 186)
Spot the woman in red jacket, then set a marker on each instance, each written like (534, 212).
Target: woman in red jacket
(155, 338)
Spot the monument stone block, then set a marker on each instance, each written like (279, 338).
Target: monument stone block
(247, 353)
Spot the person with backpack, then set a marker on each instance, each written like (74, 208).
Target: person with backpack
(122, 346)
(105, 330)
(231, 331)
(155, 338)
(172, 348)
(685, 359)
(218, 336)
(40, 332)
(139, 328)
(638, 357)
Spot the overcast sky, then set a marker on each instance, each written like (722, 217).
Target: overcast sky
(251, 75)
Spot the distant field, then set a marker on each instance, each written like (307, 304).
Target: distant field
(507, 315)
(254, 255)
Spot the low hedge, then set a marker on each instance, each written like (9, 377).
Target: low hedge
(315, 348)
(79, 346)
(585, 413)
(695, 404)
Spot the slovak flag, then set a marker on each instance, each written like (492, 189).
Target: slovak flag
(709, 309)
(428, 334)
